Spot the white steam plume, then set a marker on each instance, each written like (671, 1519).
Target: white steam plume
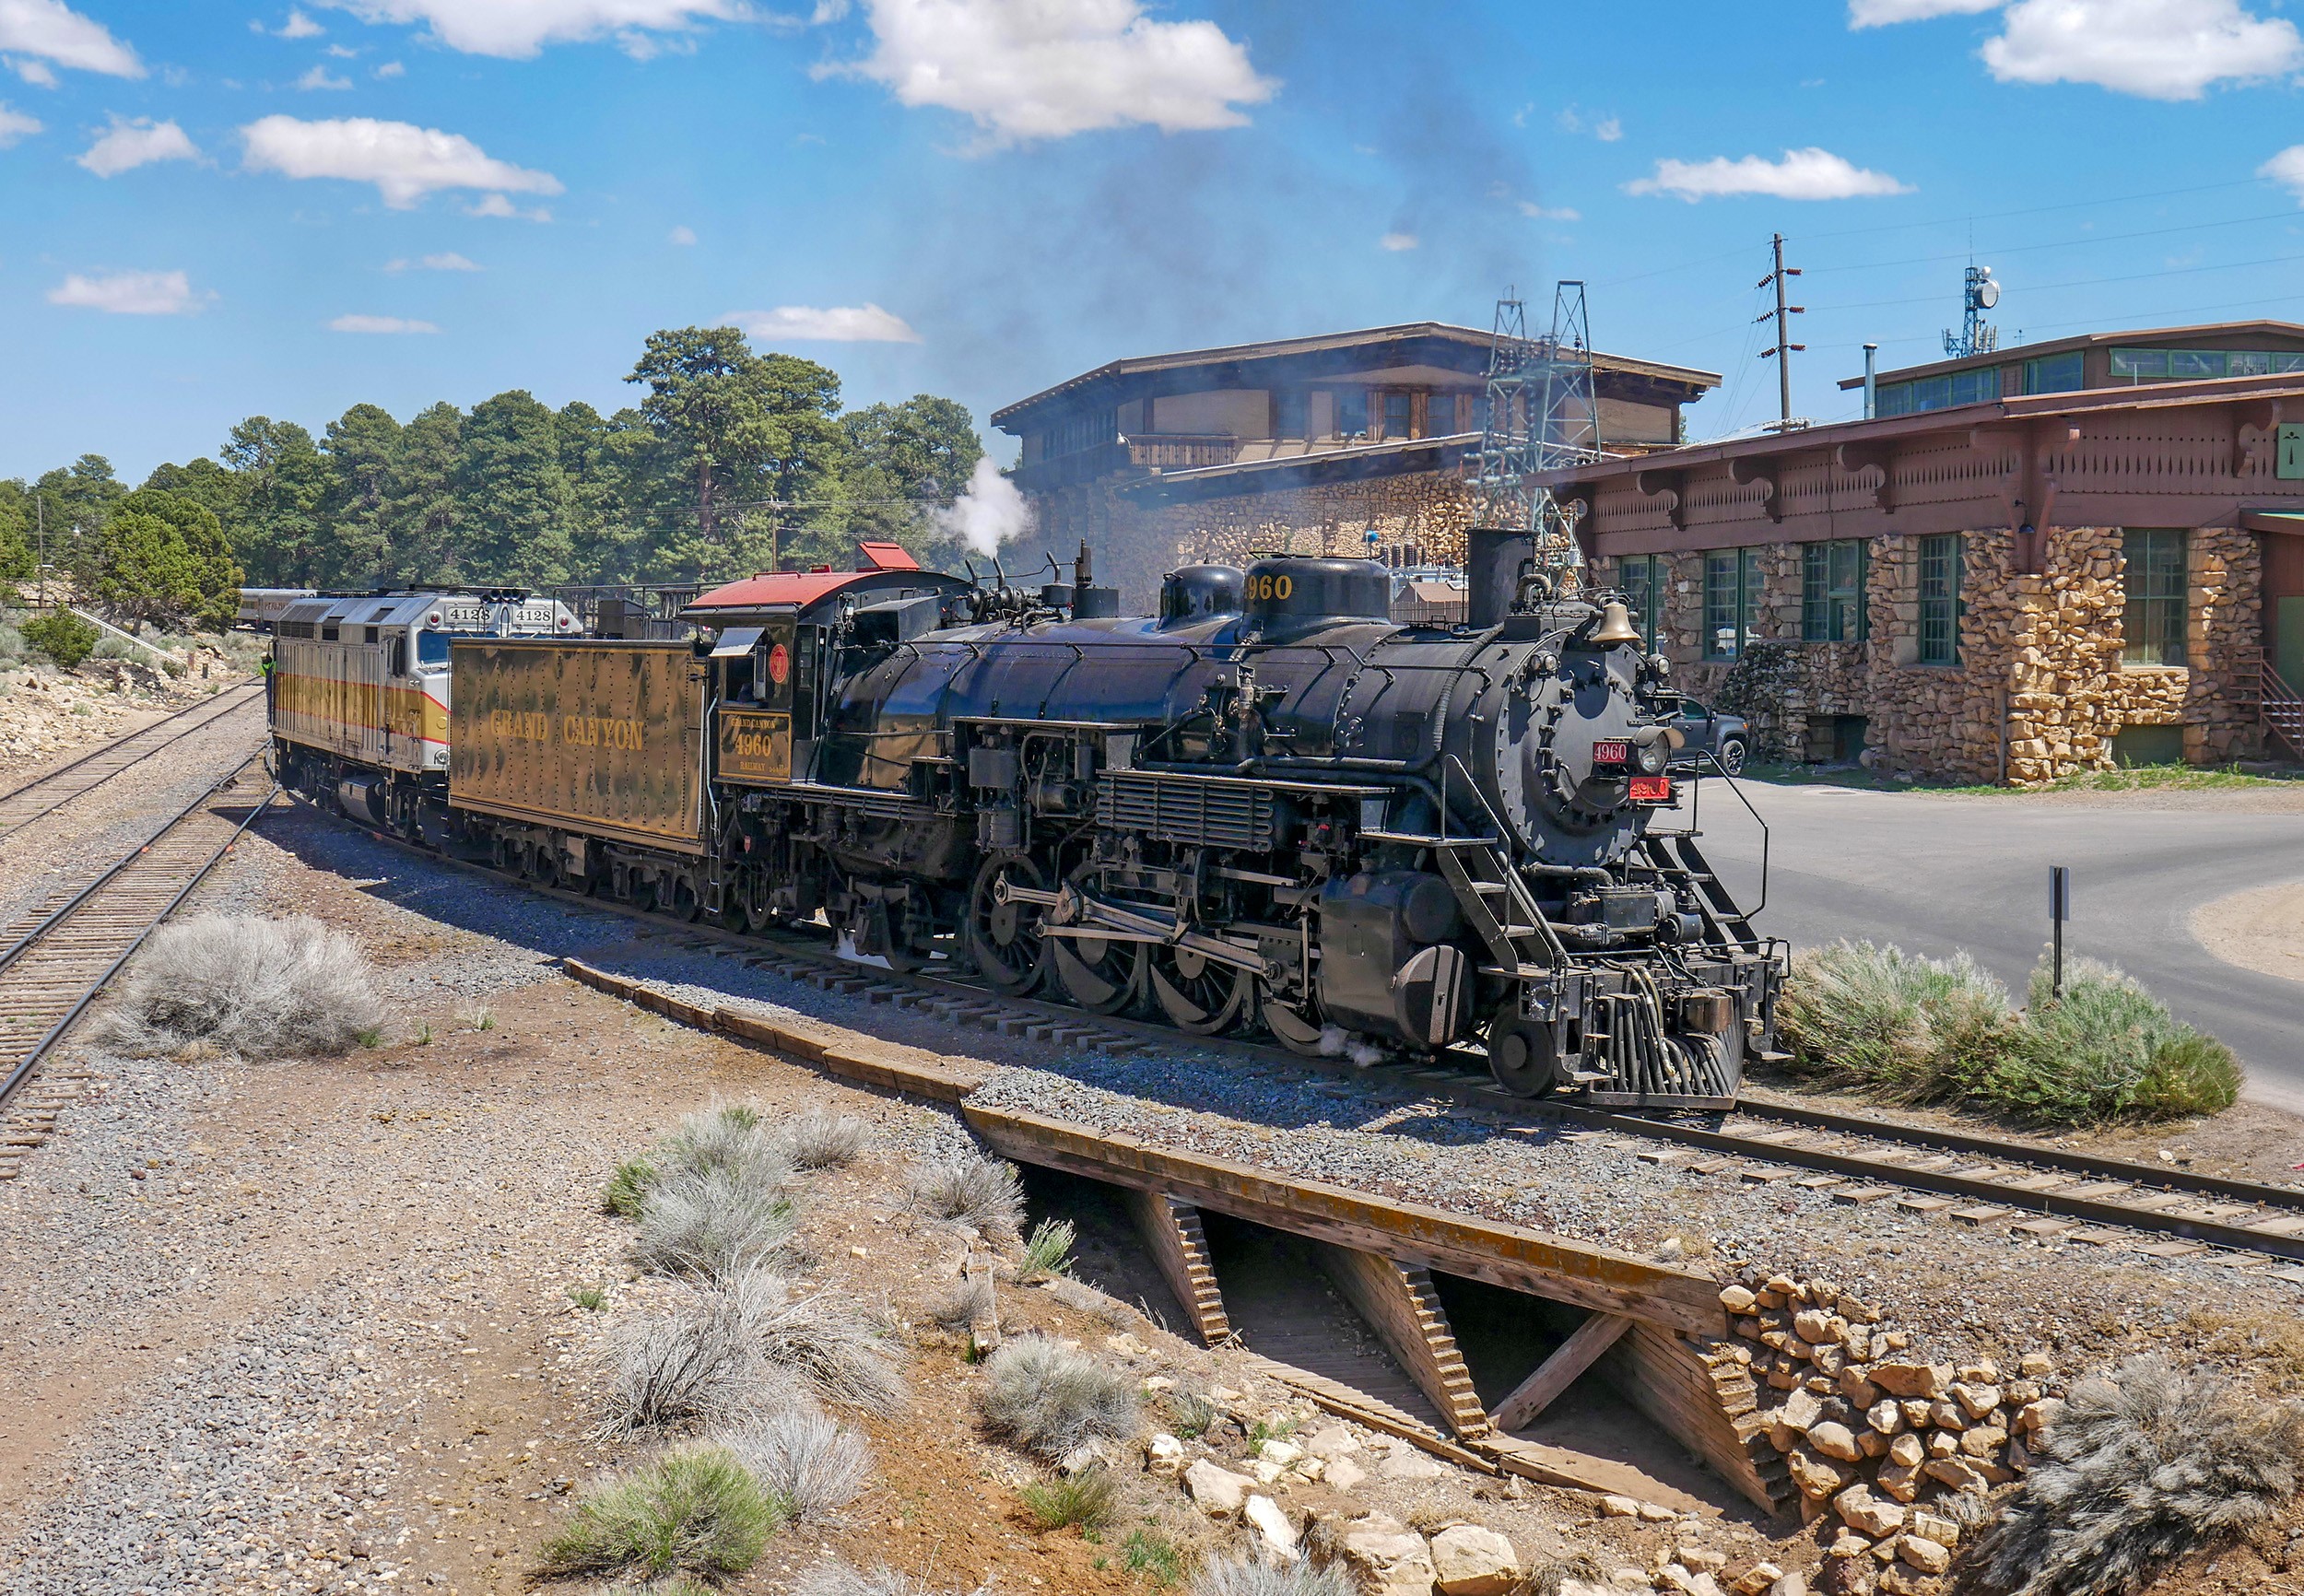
(989, 513)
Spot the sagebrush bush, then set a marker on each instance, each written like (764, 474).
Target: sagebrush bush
(971, 1300)
(827, 1341)
(1049, 1252)
(1226, 1575)
(1549, 1580)
(1920, 1029)
(985, 1192)
(694, 1510)
(817, 1139)
(1050, 1399)
(699, 1363)
(259, 988)
(64, 636)
(2142, 1468)
(812, 1462)
(713, 1222)
(726, 1138)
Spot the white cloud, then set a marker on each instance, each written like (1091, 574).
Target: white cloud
(1608, 129)
(128, 293)
(495, 204)
(1033, 69)
(1802, 174)
(392, 69)
(318, 79)
(15, 124)
(299, 26)
(379, 324)
(837, 324)
(341, 52)
(1397, 242)
(35, 72)
(521, 28)
(1554, 214)
(681, 236)
(127, 144)
(405, 161)
(2287, 169)
(1880, 13)
(2156, 49)
(451, 261)
(54, 31)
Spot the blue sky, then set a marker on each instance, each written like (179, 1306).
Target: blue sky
(215, 210)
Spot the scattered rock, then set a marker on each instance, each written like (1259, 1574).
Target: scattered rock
(1273, 1528)
(1656, 1513)
(1929, 1527)
(1885, 1416)
(1907, 1450)
(1408, 1463)
(1164, 1455)
(1344, 1474)
(1976, 1401)
(1923, 1380)
(1866, 1514)
(1815, 1476)
(1619, 1507)
(1333, 1442)
(1218, 1492)
(1984, 1441)
(1284, 1453)
(1391, 1558)
(1836, 1442)
(1676, 1577)
(1470, 1561)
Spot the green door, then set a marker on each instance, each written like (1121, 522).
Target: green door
(2287, 640)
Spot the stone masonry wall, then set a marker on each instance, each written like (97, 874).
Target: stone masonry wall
(1426, 510)
(2046, 647)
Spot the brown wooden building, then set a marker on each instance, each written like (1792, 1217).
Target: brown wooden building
(2013, 588)
(1308, 444)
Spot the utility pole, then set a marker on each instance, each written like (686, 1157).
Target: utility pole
(1783, 349)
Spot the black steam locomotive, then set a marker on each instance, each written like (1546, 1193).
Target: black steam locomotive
(1267, 807)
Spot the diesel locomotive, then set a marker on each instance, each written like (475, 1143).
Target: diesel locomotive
(1267, 807)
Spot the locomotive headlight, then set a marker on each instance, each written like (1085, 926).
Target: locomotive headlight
(1650, 752)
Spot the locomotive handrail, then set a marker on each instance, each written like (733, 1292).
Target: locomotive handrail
(1737, 788)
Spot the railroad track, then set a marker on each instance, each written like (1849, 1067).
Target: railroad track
(42, 795)
(2034, 1190)
(55, 958)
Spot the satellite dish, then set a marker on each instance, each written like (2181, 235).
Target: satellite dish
(1987, 294)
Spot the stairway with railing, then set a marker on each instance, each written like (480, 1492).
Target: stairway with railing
(2280, 706)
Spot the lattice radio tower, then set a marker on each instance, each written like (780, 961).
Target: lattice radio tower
(1542, 414)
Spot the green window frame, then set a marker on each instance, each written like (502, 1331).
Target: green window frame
(1940, 560)
(1832, 607)
(2053, 373)
(1642, 578)
(1732, 582)
(2157, 584)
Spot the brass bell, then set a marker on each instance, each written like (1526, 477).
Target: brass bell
(1616, 625)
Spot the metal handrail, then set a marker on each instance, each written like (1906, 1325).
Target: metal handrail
(2277, 692)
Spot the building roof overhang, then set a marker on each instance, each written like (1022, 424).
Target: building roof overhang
(1350, 350)
(1356, 463)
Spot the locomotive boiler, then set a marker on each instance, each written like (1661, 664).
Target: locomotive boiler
(1267, 807)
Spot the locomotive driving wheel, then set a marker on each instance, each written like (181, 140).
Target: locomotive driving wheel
(1004, 939)
(1100, 974)
(1194, 993)
(1296, 1023)
(1523, 1055)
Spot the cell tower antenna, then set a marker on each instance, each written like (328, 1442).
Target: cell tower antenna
(1542, 414)
(1980, 292)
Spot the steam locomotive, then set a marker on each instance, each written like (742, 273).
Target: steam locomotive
(1265, 807)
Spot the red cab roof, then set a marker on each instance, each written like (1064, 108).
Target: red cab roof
(802, 588)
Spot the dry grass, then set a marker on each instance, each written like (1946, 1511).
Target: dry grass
(817, 1465)
(1224, 1575)
(695, 1510)
(258, 988)
(821, 1141)
(834, 1577)
(698, 1364)
(2140, 1469)
(971, 1300)
(1050, 1399)
(716, 1223)
(986, 1193)
(1089, 1500)
(827, 1341)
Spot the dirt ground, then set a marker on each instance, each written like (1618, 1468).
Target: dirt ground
(2262, 930)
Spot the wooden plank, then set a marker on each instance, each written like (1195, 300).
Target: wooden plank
(1557, 1372)
(1399, 1304)
(1662, 1375)
(1172, 1235)
(1506, 1255)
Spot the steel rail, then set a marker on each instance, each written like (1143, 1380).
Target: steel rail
(116, 746)
(1455, 1081)
(39, 1049)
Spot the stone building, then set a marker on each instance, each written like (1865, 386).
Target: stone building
(2014, 588)
(1304, 444)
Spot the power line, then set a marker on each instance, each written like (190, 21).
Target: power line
(2030, 210)
(2061, 243)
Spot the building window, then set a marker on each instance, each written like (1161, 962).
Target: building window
(2156, 584)
(1974, 386)
(1642, 578)
(1731, 594)
(1399, 404)
(1832, 591)
(1289, 413)
(1475, 413)
(1940, 599)
(1351, 412)
(1088, 429)
(2053, 373)
(1439, 415)
(2133, 366)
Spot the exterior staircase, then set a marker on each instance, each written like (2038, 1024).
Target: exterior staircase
(2279, 706)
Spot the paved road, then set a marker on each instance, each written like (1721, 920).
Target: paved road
(1936, 874)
